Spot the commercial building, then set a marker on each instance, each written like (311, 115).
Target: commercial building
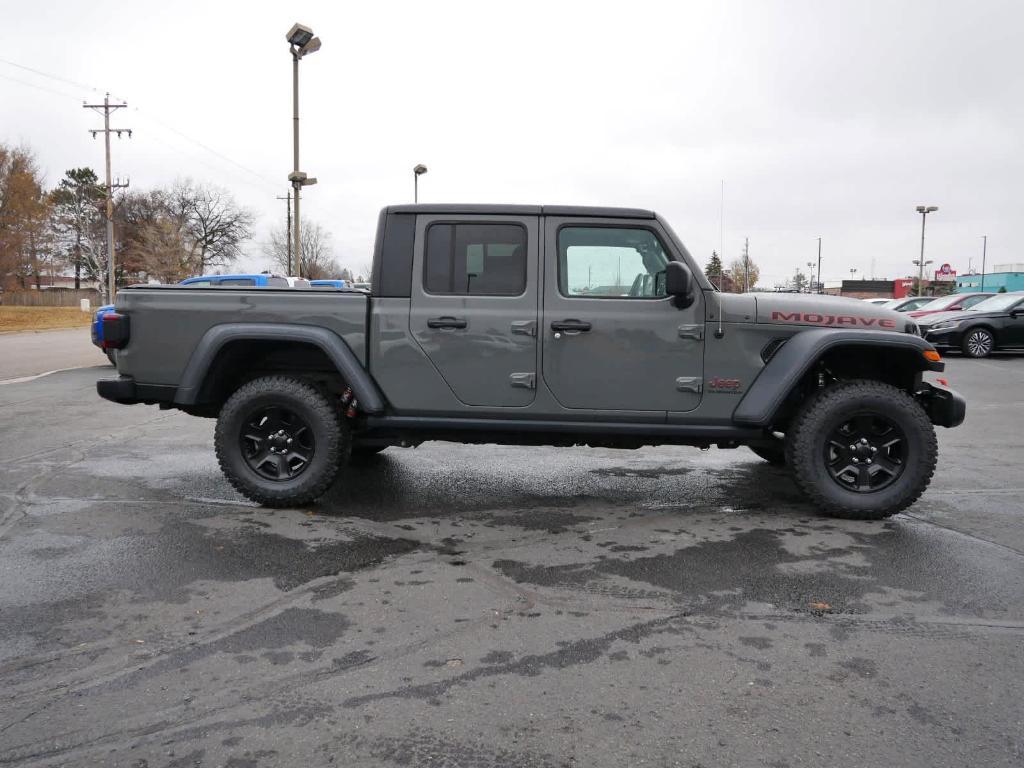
(1003, 276)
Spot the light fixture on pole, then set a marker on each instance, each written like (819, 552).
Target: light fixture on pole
(302, 41)
(924, 210)
(417, 171)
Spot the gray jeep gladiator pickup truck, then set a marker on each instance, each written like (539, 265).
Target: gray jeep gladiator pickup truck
(537, 325)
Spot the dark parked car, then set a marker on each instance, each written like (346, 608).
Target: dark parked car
(996, 323)
(952, 303)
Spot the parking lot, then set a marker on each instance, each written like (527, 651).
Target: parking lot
(494, 606)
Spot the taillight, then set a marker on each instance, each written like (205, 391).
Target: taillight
(116, 330)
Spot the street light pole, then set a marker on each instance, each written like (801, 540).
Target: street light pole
(810, 280)
(302, 41)
(417, 171)
(984, 252)
(820, 286)
(297, 183)
(924, 211)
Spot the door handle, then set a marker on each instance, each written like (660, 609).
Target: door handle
(446, 322)
(570, 325)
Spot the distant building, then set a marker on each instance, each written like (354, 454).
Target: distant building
(1008, 276)
(861, 289)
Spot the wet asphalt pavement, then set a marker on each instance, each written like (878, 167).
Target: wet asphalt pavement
(491, 606)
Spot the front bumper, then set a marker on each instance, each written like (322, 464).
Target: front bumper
(945, 338)
(945, 407)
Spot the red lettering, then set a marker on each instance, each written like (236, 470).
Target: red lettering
(784, 316)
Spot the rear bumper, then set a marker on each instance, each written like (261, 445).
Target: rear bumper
(126, 391)
(945, 407)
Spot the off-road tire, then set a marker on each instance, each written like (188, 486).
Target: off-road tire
(330, 431)
(978, 343)
(773, 454)
(811, 427)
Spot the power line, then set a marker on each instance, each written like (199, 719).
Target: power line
(143, 113)
(58, 78)
(39, 87)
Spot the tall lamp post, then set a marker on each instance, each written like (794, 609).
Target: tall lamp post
(810, 280)
(924, 210)
(417, 171)
(302, 41)
(821, 286)
(984, 253)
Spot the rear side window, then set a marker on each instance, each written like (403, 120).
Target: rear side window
(277, 282)
(475, 259)
(237, 281)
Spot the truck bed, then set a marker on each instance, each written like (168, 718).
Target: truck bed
(173, 319)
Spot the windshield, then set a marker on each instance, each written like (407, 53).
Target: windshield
(941, 303)
(997, 303)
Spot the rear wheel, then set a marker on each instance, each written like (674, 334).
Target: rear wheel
(280, 442)
(978, 342)
(862, 450)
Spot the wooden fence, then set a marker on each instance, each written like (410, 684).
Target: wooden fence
(48, 298)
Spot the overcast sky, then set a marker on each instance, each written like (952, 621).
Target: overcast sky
(822, 118)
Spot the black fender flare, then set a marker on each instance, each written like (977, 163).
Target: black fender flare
(801, 351)
(356, 376)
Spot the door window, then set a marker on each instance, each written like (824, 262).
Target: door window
(475, 260)
(237, 281)
(970, 302)
(610, 263)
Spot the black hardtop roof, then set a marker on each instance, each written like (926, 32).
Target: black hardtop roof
(524, 210)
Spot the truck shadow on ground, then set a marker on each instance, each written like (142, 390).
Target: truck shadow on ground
(399, 484)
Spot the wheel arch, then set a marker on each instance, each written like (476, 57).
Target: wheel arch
(894, 358)
(227, 353)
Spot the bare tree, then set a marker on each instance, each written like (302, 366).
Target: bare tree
(213, 223)
(316, 262)
(162, 250)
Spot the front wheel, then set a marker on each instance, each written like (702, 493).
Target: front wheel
(862, 450)
(280, 442)
(979, 342)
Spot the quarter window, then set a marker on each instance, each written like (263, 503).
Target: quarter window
(475, 259)
(610, 263)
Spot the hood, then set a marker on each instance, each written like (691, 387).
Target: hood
(931, 318)
(964, 314)
(827, 311)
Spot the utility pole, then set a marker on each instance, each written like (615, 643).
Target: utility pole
(106, 108)
(984, 253)
(746, 265)
(288, 232)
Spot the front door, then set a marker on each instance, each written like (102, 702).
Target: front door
(611, 338)
(474, 305)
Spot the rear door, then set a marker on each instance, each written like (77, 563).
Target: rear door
(473, 306)
(612, 340)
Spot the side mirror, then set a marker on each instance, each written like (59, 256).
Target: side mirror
(679, 283)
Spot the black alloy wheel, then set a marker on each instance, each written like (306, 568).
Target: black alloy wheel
(866, 453)
(979, 342)
(276, 443)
